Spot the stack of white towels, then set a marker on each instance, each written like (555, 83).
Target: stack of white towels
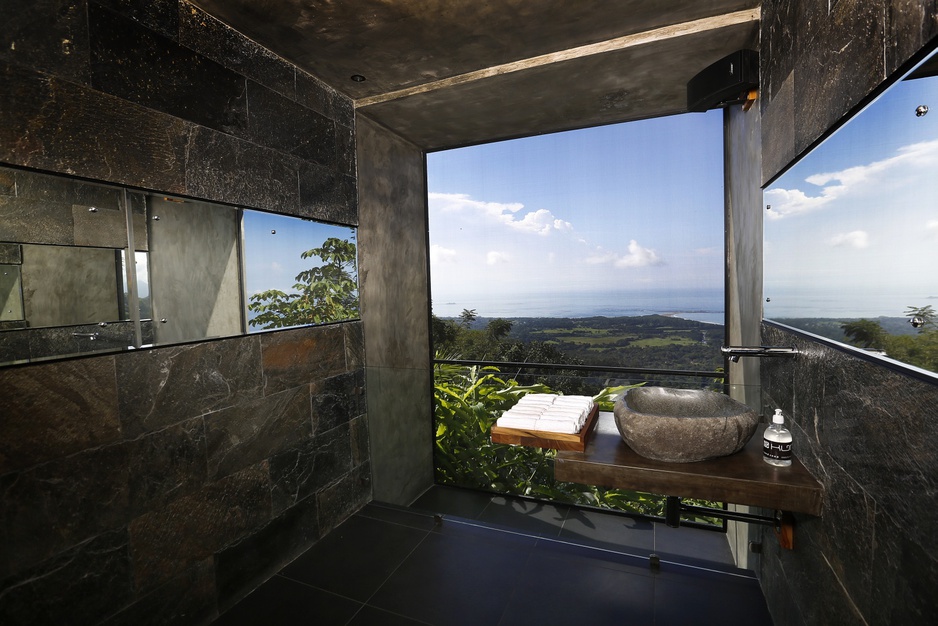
(548, 412)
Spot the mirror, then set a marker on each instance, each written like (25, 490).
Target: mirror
(198, 270)
(851, 230)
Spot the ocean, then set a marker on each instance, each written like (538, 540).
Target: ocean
(702, 305)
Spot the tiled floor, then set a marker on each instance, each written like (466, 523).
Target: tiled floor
(500, 561)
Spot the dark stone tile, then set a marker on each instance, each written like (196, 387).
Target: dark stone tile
(552, 590)
(346, 162)
(695, 546)
(161, 16)
(297, 357)
(56, 409)
(186, 599)
(79, 586)
(327, 195)
(227, 169)
(776, 57)
(370, 616)
(61, 340)
(399, 515)
(57, 505)
(343, 498)
(7, 182)
(301, 472)
(33, 221)
(54, 125)
(337, 400)
(284, 601)
(166, 542)
(217, 41)
(46, 35)
(11, 254)
(359, 435)
(840, 60)
(438, 583)
(61, 189)
(167, 385)
(253, 431)
(240, 567)
(282, 124)
(14, 343)
(142, 66)
(910, 24)
(612, 532)
(814, 586)
(354, 345)
(166, 465)
(904, 574)
(99, 227)
(709, 601)
(314, 94)
(356, 558)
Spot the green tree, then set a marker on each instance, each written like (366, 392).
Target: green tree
(865, 333)
(325, 293)
(926, 313)
(467, 317)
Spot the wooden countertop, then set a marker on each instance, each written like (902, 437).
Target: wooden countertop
(741, 478)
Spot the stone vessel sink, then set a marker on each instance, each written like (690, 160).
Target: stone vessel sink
(683, 425)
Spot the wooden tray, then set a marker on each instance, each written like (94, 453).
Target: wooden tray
(543, 439)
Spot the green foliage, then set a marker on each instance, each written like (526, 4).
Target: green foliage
(327, 292)
(919, 349)
(865, 333)
(468, 401)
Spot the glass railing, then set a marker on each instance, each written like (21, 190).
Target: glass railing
(470, 396)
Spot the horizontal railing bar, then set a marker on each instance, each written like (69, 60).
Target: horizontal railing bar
(583, 368)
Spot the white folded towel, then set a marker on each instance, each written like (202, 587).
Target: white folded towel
(525, 423)
(557, 426)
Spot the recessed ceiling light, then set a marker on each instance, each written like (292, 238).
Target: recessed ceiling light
(358, 78)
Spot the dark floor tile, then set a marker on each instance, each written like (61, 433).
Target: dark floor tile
(453, 501)
(609, 531)
(283, 602)
(702, 600)
(556, 590)
(370, 616)
(420, 520)
(529, 516)
(693, 544)
(459, 576)
(355, 558)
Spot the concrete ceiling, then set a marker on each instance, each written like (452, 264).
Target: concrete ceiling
(449, 73)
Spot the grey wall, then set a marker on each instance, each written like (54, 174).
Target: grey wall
(395, 311)
(863, 430)
(743, 232)
(159, 486)
(195, 270)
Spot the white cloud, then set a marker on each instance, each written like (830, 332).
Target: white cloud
(932, 227)
(276, 267)
(439, 254)
(708, 252)
(637, 257)
(540, 222)
(854, 239)
(836, 185)
(495, 257)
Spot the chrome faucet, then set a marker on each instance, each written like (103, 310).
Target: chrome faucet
(734, 352)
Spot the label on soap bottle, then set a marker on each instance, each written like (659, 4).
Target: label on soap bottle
(776, 450)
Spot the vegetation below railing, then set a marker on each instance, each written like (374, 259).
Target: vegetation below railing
(469, 400)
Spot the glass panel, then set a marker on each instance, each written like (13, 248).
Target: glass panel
(11, 294)
(298, 271)
(851, 232)
(469, 400)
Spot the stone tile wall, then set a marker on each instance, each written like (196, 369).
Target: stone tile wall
(866, 433)
(820, 59)
(159, 486)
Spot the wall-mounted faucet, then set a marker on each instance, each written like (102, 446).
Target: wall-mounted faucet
(734, 352)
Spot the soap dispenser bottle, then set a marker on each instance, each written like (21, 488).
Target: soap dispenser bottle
(776, 442)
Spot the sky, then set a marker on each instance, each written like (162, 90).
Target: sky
(272, 259)
(635, 206)
(853, 227)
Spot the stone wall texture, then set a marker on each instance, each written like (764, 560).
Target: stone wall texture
(861, 428)
(160, 486)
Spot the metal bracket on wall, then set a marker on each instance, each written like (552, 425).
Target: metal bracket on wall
(783, 522)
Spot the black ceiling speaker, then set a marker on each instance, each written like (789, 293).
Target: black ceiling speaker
(726, 82)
